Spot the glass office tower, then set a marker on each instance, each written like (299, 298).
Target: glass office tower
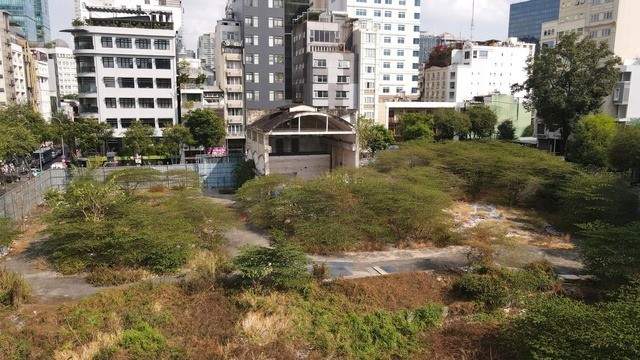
(526, 18)
(32, 16)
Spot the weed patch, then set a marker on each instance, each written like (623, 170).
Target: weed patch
(14, 291)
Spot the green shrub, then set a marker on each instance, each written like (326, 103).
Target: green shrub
(14, 290)
(282, 267)
(603, 196)
(131, 179)
(182, 179)
(8, 232)
(496, 288)
(243, 172)
(559, 328)
(611, 253)
(146, 342)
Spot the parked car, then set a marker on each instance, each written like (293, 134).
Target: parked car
(35, 172)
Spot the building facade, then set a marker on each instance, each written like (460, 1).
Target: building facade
(526, 18)
(323, 67)
(227, 53)
(262, 29)
(7, 80)
(62, 71)
(126, 64)
(429, 41)
(626, 96)
(479, 69)
(386, 39)
(205, 50)
(23, 13)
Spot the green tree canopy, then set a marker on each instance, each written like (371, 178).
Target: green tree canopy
(206, 128)
(26, 117)
(506, 130)
(449, 123)
(137, 139)
(625, 148)
(85, 134)
(569, 81)
(16, 142)
(440, 56)
(483, 120)
(175, 138)
(415, 126)
(373, 137)
(591, 140)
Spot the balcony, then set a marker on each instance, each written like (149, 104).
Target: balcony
(128, 23)
(234, 103)
(233, 72)
(86, 69)
(234, 88)
(233, 57)
(235, 119)
(235, 135)
(621, 93)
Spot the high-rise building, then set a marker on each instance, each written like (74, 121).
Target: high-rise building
(386, 38)
(292, 9)
(43, 26)
(526, 18)
(227, 54)
(63, 79)
(262, 28)
(323, 67)
(126, 62)
(32, 17)
(205, 50)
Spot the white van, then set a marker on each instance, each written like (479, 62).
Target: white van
(58, 165)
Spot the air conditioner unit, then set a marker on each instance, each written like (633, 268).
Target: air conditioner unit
(225, 43)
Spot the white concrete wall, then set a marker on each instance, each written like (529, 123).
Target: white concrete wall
(300, 166)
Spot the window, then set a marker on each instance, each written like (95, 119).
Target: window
(370, 53)
(361, 12)
(109, 82)
(399, 78)
(107, 42)
(144, 63)
(368, 99)
(416, 53)
(386, 77)
(414, 78)
(320, 79)
(127, 103)
(377, 13)
(387, 39)
(321, 94)
(107, 62)
(387, 26)
(386, 65)
(275, 22)
(401, 14)
(400, 40)
(123, 43)
(385, 90)
(320, 63)
(235, 112)
(400, 27)
(399, 90)
(234, 96)
(252, 77)
(112, 123)
(386, 52)
(606, 32)
(126, 83)
(343, 79)
(344, 64)
(388, 2)
(145, 83)
(277, 41)
(342, 94)
(369, 69)
(125, 62)
(253, 95)
(161, 44)
(387, 14)
(415, 66)
(276, 59)
(143, 44)
(163, 83)
(416, 28)
(402, 2)
(416, 16)
(417, 2)
(110, 103)
(163, 64)
(400, 65)
(165, 103)
(416, 41)
(145, 103)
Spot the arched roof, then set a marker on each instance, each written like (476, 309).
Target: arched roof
(301, 122)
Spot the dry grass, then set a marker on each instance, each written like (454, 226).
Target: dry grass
(106, 276)
(463, 341)
(14, 291)
(262, 329)
(88, 351)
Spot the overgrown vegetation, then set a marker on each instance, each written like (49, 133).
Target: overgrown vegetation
(14, 291)
(282, 267)
(363, 209)
(94, 225)
(8, 232)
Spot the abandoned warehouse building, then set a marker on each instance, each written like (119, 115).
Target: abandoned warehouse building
(301, 142)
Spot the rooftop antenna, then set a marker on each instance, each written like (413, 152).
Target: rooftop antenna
(473, 12)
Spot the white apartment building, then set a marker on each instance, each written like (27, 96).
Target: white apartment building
(62, 71)
(126, 64)
(479, 69)
(19, 74)
(41, 85)
(227, 59)
(386, 36)
(626, 96)
(7, 90)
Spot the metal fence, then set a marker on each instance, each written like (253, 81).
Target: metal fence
(17, 202)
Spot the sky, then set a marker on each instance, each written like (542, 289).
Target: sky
(453, 16)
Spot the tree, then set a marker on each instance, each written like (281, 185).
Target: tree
(449, 123)
(282, 267)
(569, 81)
(440, 56)
(137, 140)
(415, 126)
(483, 120)
(506, 130)
(206, 128)
(591, 140)
(624, 153)
(528, 131)
(175, 138)
(373, 137)
(85, 134)
(16, 142)
(26, 117)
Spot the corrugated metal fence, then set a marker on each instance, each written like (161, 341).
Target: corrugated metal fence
(17, 202)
